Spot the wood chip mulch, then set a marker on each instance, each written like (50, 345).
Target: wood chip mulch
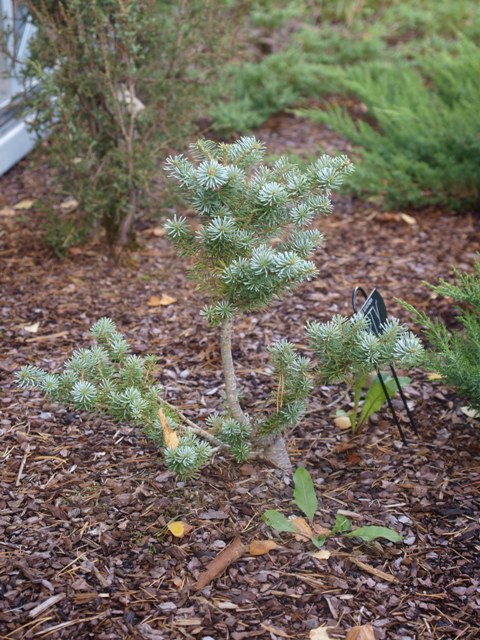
(84, 503)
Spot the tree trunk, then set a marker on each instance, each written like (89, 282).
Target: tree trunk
(125, 229)
(274, 451)
(229, 372)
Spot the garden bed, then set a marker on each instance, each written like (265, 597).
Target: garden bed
(85, 502)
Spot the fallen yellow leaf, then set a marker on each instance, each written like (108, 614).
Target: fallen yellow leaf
(469, 412)
(260, 547)
(342, 422)
(178, 528)
(434, 376)
(303, 528)
(169, 435)
(408, 219)
(361, 632)
(323, 554)
(320, 633)
(24, 204)
(161, 301)
(32, 328)
(70, 204)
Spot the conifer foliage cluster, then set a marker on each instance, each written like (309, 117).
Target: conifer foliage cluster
(242, 205)
(455, 354)
(109, 380)
(347, 349)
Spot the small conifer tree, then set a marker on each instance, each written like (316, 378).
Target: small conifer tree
(243, 206)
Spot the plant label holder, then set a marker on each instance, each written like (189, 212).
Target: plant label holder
(375, 312)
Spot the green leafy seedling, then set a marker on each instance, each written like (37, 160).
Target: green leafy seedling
(342, 524)
(304, 492)
(375, 397)
(371, 533)
(279, 522)
(307, 501)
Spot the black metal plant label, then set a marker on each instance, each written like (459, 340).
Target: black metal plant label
(375, 312)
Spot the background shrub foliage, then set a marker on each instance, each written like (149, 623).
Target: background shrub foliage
(114, 82)
(408, 67)
(455, 354)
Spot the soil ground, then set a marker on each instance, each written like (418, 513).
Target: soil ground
(84, 502)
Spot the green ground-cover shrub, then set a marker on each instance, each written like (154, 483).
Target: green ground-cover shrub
(423, 146)
(412, 65)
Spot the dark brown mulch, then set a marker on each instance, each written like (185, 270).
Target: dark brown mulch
(85, 502)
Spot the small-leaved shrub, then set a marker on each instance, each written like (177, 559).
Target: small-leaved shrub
(112, 83)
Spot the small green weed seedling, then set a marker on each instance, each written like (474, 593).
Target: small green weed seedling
(306, 500)
(374, 398)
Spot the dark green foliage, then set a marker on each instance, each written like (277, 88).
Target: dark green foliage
(455, 354)
(115, 82)
(411, 69)
(257, 90)
(108, 380)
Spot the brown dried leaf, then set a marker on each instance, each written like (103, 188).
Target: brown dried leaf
(220, 563)
(361, 632)
(408, 219)
(304, 529)
(32, 328)
(321, 531)
(169, 435)
(342, 422)
(260, 547)
(323, 554)
(7, 212)
(160, 301)
(68, 205)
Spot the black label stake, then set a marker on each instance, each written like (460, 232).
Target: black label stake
(375, 311)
